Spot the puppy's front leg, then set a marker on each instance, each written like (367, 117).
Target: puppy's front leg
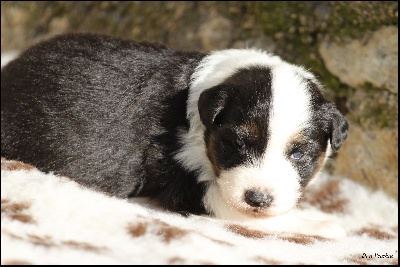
(294, 223)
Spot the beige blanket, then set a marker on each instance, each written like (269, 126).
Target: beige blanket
(47, 219)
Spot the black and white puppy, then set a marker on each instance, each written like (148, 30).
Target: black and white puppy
(236, 133)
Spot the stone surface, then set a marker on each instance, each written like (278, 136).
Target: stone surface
(370, 157)
(373, 108)
(215, 32)
(371, 60)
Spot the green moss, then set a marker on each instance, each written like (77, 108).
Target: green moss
(298, 27)
(353, 19)
(382, 113)
(379, 108)
(383, 117)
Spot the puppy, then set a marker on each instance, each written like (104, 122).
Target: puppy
(236, 133)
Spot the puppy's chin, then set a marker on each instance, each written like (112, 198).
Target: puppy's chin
(233, 184)
(253, 212)
(256, 212)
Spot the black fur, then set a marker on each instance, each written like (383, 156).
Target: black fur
(236, 114)
(327, 117)
(326, 124)
(104, 112)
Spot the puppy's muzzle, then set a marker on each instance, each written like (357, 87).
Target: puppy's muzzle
(258, 199)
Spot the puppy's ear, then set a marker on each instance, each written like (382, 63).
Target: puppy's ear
(211, 103)
(338, 127)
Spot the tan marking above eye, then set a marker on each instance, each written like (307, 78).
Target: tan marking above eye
(212, 152)
(251, 129)
(296, 138)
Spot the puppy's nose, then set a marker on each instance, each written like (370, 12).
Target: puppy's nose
(257, 199)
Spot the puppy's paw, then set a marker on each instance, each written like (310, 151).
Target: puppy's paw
(293, 223)
(328, 230)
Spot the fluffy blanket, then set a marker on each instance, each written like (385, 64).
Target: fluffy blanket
(48, 219)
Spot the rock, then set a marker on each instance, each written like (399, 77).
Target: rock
(370, 157)
(373, 108)
(373, 60)
(259, 42)
(216, 32)
(370, 153)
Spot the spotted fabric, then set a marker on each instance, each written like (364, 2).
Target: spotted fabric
(48, 219)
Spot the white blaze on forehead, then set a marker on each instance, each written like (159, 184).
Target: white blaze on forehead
(290, 110)
(290, 113)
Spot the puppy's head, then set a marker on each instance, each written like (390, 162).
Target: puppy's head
(267, 133)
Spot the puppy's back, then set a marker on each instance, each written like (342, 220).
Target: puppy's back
(89, 99)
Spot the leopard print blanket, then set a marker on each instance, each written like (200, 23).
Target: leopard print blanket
(48, 219)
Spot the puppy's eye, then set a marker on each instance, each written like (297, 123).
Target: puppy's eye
(296, 155)
(239, 143)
